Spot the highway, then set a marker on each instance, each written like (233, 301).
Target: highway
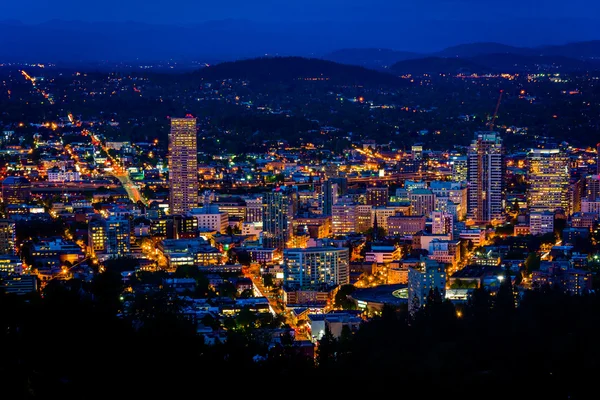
(133, 191)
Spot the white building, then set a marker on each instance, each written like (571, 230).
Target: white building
(541, 223)
(316, 266)
(383, 254)
(63, 175)
(210, 218)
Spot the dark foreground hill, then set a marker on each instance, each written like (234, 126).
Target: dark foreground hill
(286, 69)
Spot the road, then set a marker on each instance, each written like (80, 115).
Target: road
(276, 306)
(119, 172)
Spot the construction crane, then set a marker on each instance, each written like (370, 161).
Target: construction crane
(493, 121)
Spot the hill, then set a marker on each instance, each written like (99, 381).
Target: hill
(370, 58)
(476, 49)
(525, 63)
(287, 69)
(438, 65)
(589, 49)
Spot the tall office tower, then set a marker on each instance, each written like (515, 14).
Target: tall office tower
(442, 223)
(254, 212)
(7, 236)
(377, 196)
(183, 165)
(343, 218)
(279, 207)
(332, 189)
(548, 177)
(316, 266)
(576, 186)
(364, 217)
(592, 187)
(459, 169)
(427, 275)
(486, 178)
(97, 236)
(118, 236)
(422, 202)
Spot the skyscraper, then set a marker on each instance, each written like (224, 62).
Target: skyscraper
(279, 207)
(118, 236)
(486, 178)
(332, 189)
(548, 177)
(459, 169)
(183, 165)
(7, 236)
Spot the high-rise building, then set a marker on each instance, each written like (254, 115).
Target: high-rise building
(332, 189)
(183, 165)
(548, 177)
(422, 201)
(441, 223)
(110, 237)
(422, 278)
(377, 196)
(279, 207)
(576, 186)
(459, 169)
(254, 209)
(592, 187)
(486, 178)
(118, 236)
(364, 217)
(7, 236)
(16, 190)
(344, 218)
(97, 236)
(316, 266)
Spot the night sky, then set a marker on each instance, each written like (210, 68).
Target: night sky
(190, 11)
(228, 29)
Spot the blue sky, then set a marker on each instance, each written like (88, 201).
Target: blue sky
(190, 11)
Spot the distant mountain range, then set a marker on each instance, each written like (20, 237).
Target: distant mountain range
(477, 57)
(71, 42)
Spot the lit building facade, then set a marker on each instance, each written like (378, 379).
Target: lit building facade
(315, 267)
(279, 207)
(548, 177)
(486, 178)
(441, 223)
(183, 165)
(541, 223)
(7, 237)
(16, 190)
(377, 196)
(427, 275)
(422, 201)
(118, 236)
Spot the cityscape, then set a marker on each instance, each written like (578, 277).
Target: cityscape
(431, 220)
